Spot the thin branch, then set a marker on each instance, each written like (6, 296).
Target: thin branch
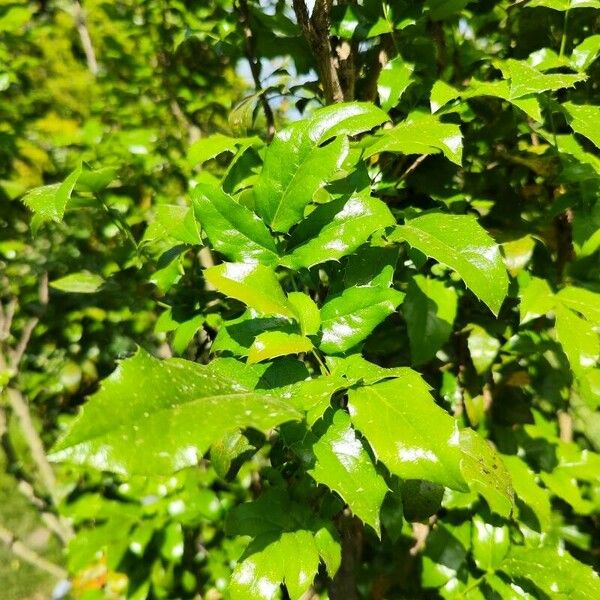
(413, 166)
(52, 522)
(17, 354)
(20, 550)
(20, 408)
(255, 67)
(86, 40)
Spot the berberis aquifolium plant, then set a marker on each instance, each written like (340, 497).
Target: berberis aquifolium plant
(395, 304)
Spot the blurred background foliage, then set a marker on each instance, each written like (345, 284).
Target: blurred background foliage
(127, 89)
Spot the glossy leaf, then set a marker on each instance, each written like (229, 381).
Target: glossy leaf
(459, 242)
(284, 189)
(232, 229)
(253, 284)
(153, 416)
(343, 465)
(277, 343)
(357, 219)
(296, 166)
(420, 134)
(350, 317)
(408, 432)
(292, 558)
(429, 309)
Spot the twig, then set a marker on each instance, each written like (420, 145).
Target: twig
(86, 40)
(22, 551)
(413, 166)
(255, 67)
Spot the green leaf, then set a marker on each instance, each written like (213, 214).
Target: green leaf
(585, 53)
(483, 348)
(350, 317)
(357, 369)
(483, 470)
(563, 5)
(291, 177)
(527, 490)
(578, 339)
(537, 300)
(83, 282)
(526, 80)
(232, 229)
(408, 432)
(50, 201)
(445, 554)
(210, 147)
(441, 94)
(296, 166)
(583, 301)
(394, 79)
(283, 550)
(357, 219)
(554, 571)
(176, 222)
(277, 343)
(253, 284)
(350, 118)
(371, 265)
(429, 309)
(153, 416)
(236, 335)
(501, 89)
(306, 311)
(420, 134)
(292, 557)
(490, 543)
(343, 465)
(459, 242)
(585, 120)
(442, 9)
